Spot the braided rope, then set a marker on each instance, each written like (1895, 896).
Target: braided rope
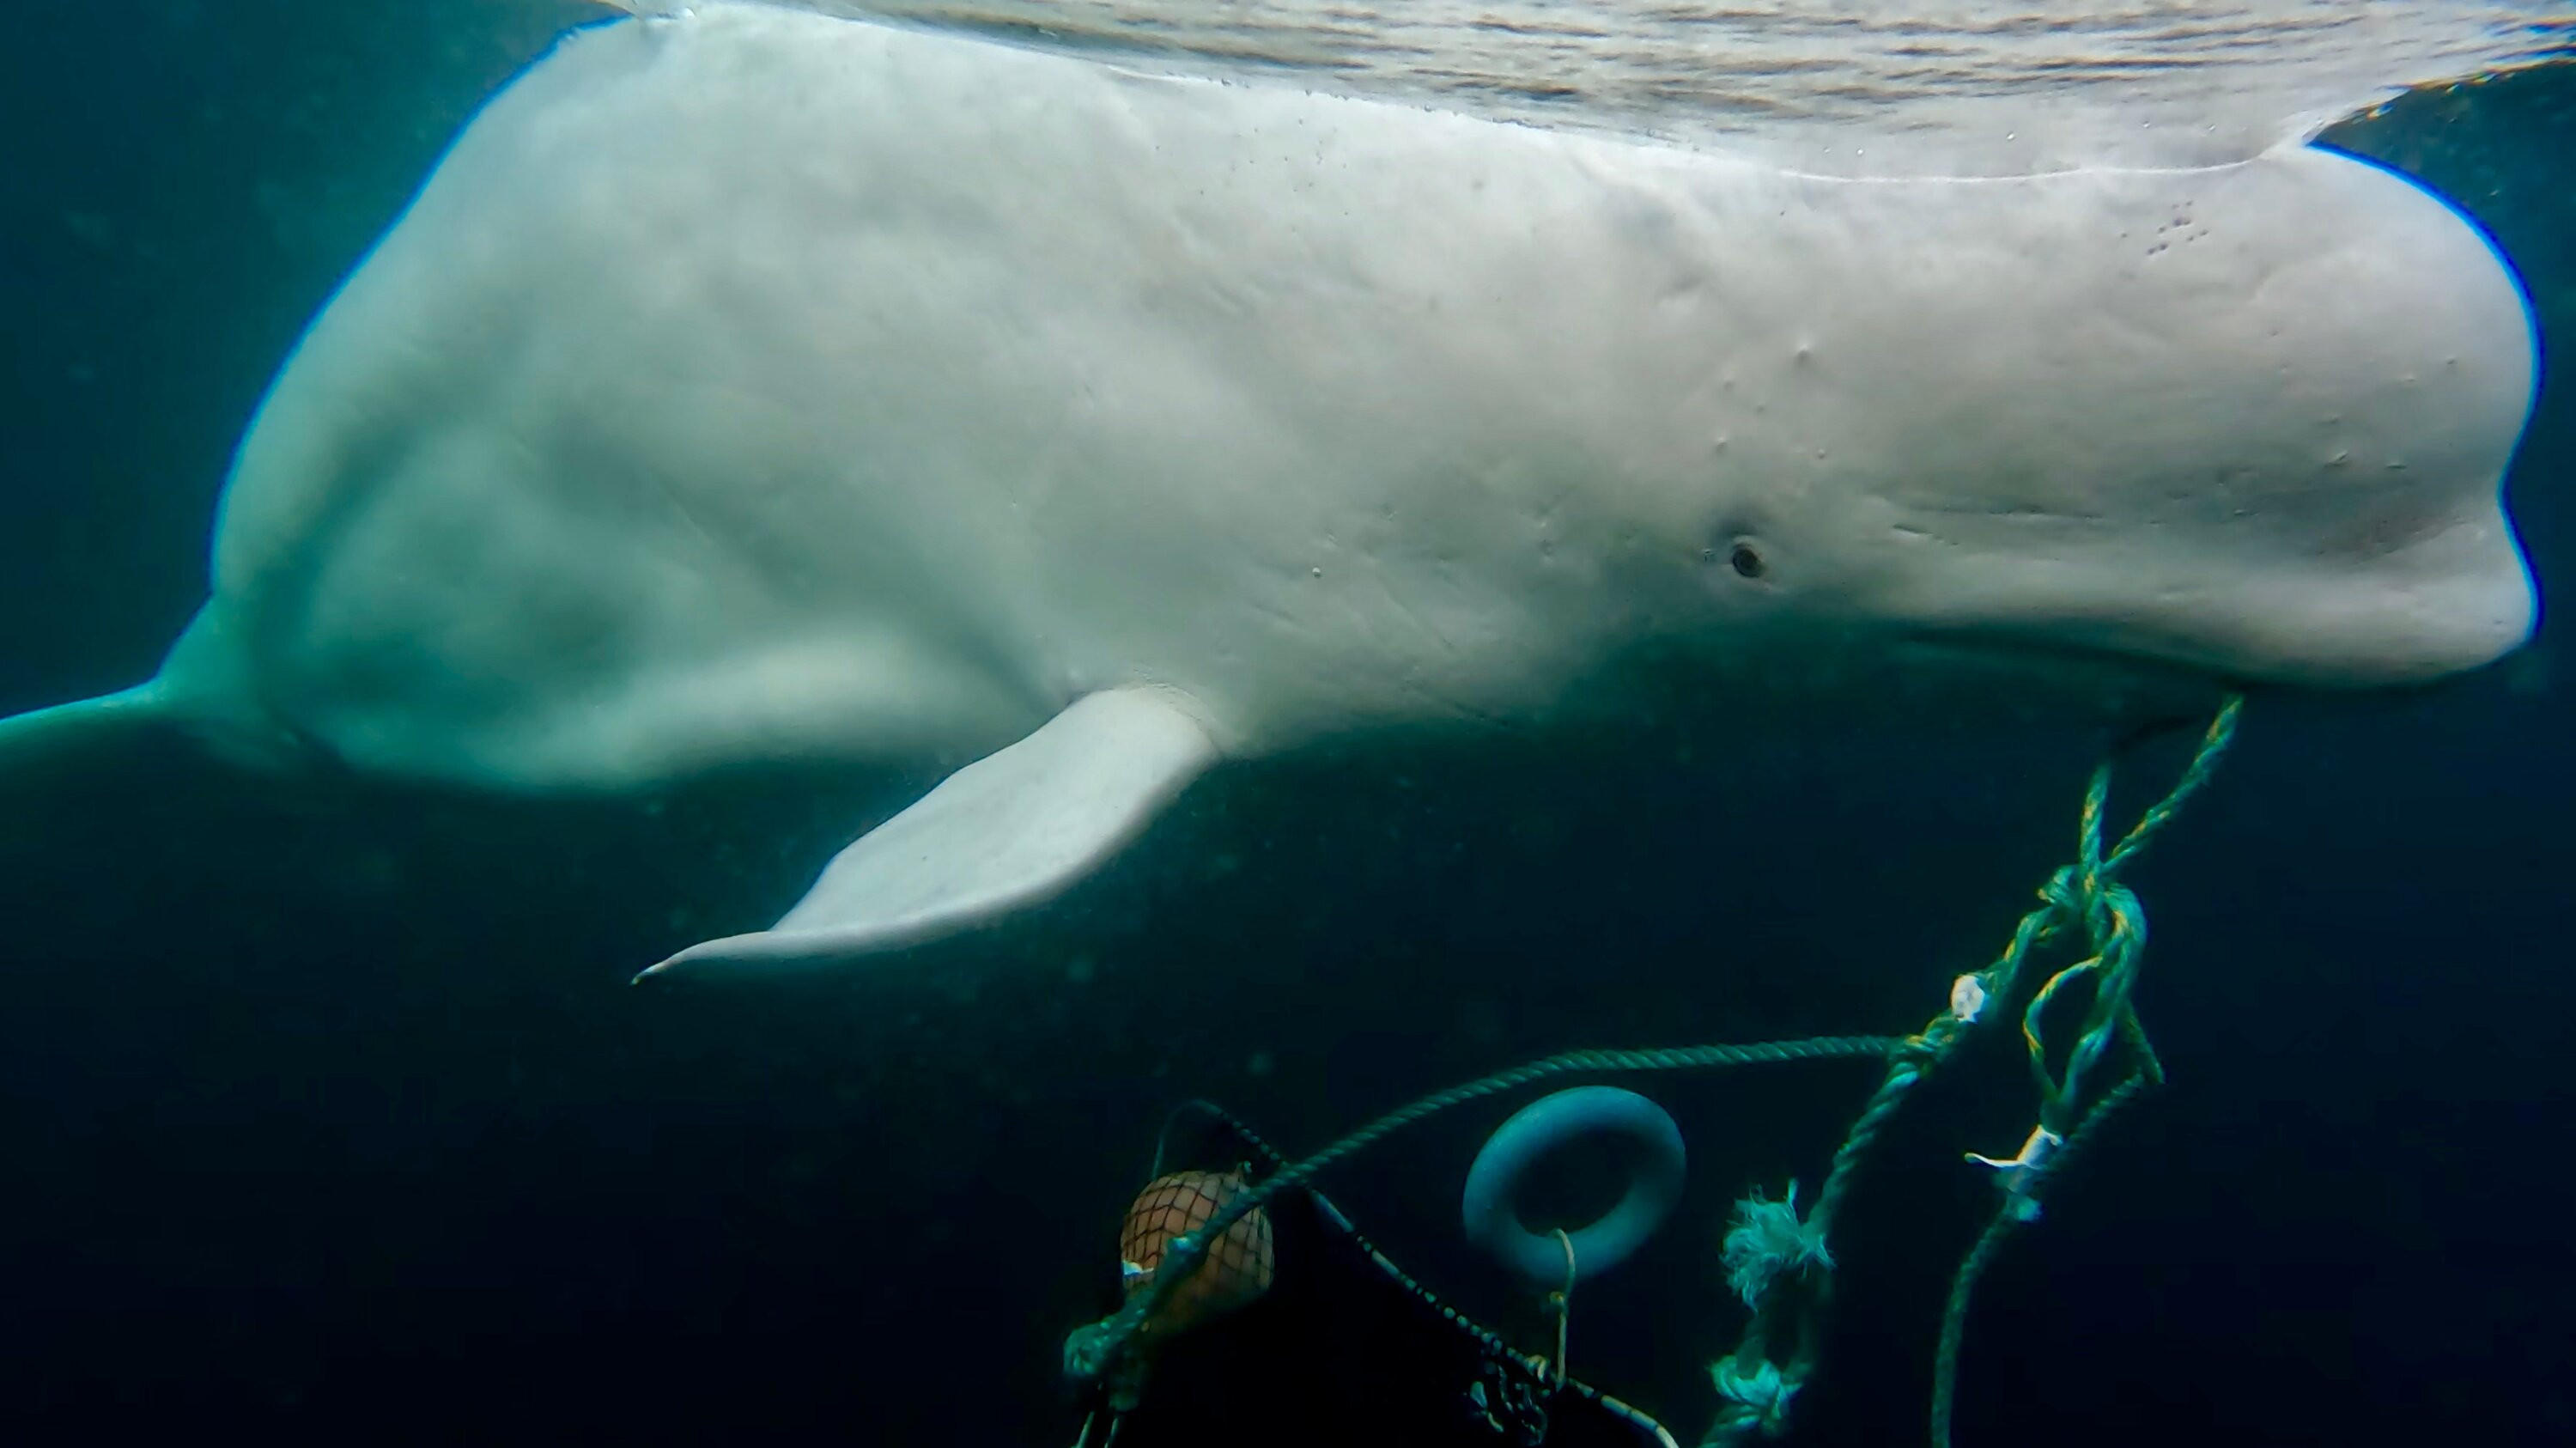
(2083, 899)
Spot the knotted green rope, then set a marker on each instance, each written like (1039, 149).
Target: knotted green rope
(2083, 900)
(2084, 896)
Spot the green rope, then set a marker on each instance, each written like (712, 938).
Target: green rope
(1954, 1320)
(1963, 1286)
(2082, 896)
(1100, 1347)
(2080, 900)
(1756, 1383)
(1755, 1390)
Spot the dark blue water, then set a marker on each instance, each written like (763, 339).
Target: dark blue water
(335, 1119)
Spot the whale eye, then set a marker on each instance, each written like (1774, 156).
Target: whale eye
(1747, 561)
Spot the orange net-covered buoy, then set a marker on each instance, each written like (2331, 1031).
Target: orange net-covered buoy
(1238, 1265)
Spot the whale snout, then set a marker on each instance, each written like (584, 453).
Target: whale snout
(2280, 459)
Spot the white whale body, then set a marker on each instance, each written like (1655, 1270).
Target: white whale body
(760, 386)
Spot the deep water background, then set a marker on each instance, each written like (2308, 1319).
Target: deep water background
(334, 1118)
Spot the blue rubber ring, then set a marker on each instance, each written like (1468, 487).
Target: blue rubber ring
(1493, 1183)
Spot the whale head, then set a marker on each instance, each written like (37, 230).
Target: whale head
(2250, 422)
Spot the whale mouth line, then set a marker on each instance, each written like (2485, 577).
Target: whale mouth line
(1993, 647)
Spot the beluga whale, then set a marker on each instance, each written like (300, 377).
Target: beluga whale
(748, 386)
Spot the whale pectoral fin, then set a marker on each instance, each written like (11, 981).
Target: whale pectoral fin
(51, 742)
(1011, 830)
